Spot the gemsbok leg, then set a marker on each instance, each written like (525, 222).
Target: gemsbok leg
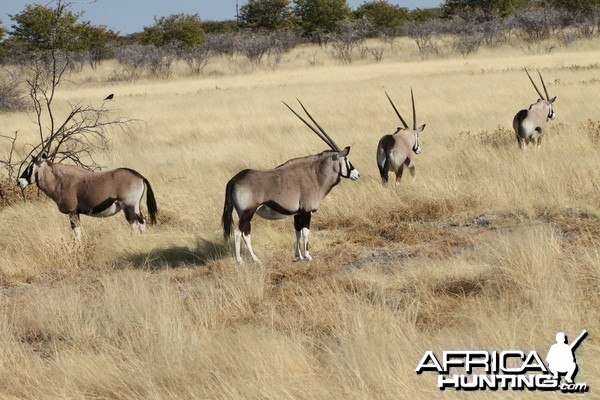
(75, 226)
(302, 226)
(243, 230)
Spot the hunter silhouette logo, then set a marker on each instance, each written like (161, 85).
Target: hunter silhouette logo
(561, 356)
(508, 369)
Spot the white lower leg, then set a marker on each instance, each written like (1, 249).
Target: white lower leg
(298, 251)
(237, 235)
(142, 226)
(77, 233)
(305, 233)
(248, 241)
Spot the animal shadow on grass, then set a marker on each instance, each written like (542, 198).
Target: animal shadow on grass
(179, 256)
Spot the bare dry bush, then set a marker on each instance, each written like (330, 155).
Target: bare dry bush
(500, 137)
(424, 35)
(12, 97)
(593, 130)
(197, 58)
(349, 39)
(132, 60)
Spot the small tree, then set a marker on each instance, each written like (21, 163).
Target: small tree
(320, 15)
(83, 131)
(184, 29)
(43, 28)
(383, 16)
(265, 14)
(488, 9)
(576, 6)
(99, 41)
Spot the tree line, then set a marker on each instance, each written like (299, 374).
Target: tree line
(39, 26)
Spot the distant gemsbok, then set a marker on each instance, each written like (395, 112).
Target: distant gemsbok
(98, 194)
(395, 151)
(293, 188)
(529, 124)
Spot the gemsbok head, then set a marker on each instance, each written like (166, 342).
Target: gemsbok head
(295, 188)
(529, 124)
(98, 194)
(395, 151)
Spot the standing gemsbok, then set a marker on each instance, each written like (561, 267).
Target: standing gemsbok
(98, 194)
(529, 124)
(395, 151)
(293, 188)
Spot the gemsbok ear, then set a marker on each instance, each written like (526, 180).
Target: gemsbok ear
(44, 155)
(420, 129)
(345, 152)
(552, 100)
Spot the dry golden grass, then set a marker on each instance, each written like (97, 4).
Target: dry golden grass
(488, 249)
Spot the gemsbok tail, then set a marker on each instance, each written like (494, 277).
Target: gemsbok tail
(227, 218)
(384, 169)
(151, 202)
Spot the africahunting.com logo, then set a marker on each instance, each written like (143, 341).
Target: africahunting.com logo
(508, 369)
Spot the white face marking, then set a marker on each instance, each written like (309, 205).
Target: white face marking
(22, 182)
(416, 147)
(348, 171)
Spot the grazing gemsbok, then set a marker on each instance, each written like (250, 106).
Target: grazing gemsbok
(98, 194)
(395, 151)
(293, 188)
(529, 124)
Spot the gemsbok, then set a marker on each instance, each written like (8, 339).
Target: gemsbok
(98, 194)
(529, 124)
(395, 151)
(296, 188)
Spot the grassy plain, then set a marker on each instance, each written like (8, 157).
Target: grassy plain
(489, 248)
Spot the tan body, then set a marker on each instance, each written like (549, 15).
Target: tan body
(394, 152)
(98, 194)
(529, 124)
(288, 189)
(293, 188)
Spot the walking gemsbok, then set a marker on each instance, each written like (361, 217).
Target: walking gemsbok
(395, 151)
(529, 124)
(98, 194)
(293, 188)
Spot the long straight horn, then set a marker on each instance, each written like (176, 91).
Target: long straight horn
(412, 97)
(330, 142)
(319, 134)
(397, 113)
(536, 88)
(544, 85)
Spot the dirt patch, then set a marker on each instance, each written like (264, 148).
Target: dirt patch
(376, 257)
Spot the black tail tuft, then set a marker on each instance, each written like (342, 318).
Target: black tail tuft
(227, 218)
(384, 169)
(151, 202)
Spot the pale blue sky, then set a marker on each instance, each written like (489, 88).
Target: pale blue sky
(128, 16)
